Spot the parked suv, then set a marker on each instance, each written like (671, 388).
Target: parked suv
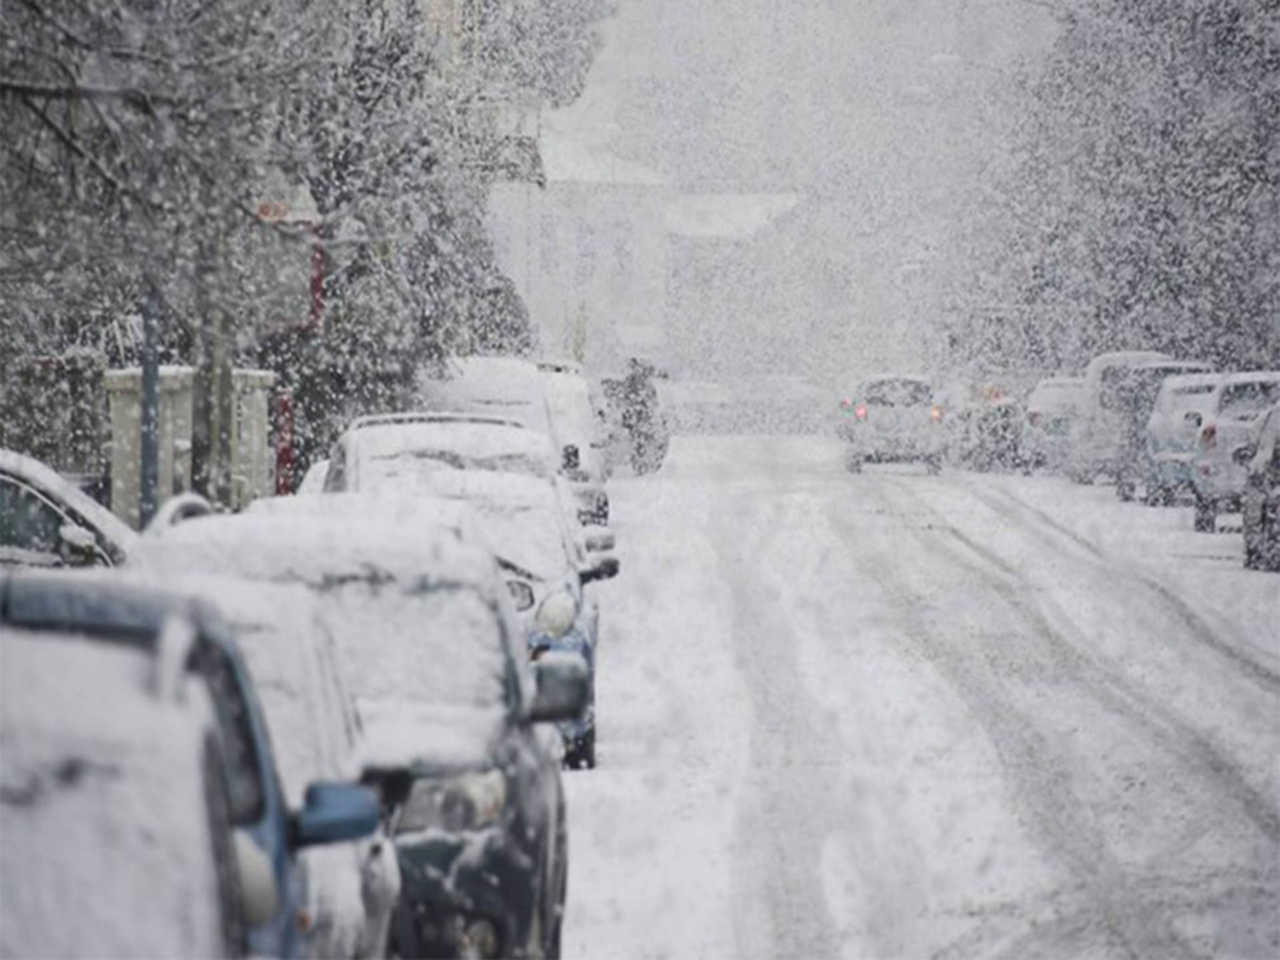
(1230, 421)
(1260, 502)
(1135, 398)
(892, 419)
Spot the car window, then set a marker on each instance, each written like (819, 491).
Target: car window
(1249, 399)
(235, 728)
(898, 393)
(27, 520)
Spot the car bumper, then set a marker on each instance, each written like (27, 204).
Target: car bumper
(457, 888)
(887, 447)
(1217, 481)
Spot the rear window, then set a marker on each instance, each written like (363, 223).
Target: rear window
(1247, 400)
(898, 393)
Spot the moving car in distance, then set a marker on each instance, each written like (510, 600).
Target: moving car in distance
(1229, 421)
(892, 419)
(1260, 502)
(46, 521)
(1046, 427)
(1170, 438)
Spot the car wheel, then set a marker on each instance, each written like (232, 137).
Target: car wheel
(1206, 519)
(933, 466)
(588, 750)
(1124, 490)
(1252, 557)
(854, 463)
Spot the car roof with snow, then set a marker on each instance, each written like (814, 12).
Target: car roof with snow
(473, 437)
(1252, 376)
(42, 476)
(316, 549)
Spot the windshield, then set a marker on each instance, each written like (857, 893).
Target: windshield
(389, 469)
(897, 393)
(1244, 401)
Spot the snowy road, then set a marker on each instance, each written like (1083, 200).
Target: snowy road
(894, 715)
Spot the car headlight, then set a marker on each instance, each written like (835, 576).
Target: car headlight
(556, 614)
(465, 802)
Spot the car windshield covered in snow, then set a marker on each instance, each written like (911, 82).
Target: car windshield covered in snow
(1247, 400)
(897, 392)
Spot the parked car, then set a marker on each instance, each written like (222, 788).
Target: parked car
(892, 419)
(315, 728)
(437, 663)
(1135, 399)
(391, 448)
(112, 814)
(1230, 421)
(1260, 501)
(1046, 425)
(45, 520)
(547, 567)
(1170, 438)
(266, 834)
(1097, 433)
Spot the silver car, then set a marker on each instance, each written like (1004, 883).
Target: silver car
(1170, 437)
(892, 419)
(1260, 502)
(1047, 423)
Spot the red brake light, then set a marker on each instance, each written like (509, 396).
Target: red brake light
(935, 413)
(846, 403)
(860, 411)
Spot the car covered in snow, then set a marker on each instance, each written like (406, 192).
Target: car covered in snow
(1260, 501)
(892, 418)
(1230, 420)
(1098, 432)
(425, 627)
(266, 833)
(1169, 437)
(1046, 422)
(115, 834)
(547, 567)
(45, 520)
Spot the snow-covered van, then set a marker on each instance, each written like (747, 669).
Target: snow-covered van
(1096, 434)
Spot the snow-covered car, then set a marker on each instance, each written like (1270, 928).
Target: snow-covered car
(984, 434)
(315, 729)
(1098, 431)
(1260, 501)
(575, 428)
(1230, 420)
(1134, 400)
(547, 567)
(390, 449)
(1169, 439)
(892, 418)
(45, 520)
(1046, 424)
(115, 838)
(267, 834)
(430, 642)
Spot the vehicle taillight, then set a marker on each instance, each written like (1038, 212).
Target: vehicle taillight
(860, 411)
(1033, 418)
(1209, 437)
(846, 403)
(935, 413)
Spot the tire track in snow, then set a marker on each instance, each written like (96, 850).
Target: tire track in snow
(1039, 767)
(1046, 526)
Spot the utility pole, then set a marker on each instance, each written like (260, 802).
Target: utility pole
(150, 467)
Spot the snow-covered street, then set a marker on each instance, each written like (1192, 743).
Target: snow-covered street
(895, 715)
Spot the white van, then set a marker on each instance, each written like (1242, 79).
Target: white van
(1097, 432)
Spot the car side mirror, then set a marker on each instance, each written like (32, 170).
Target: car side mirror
(259, 895)
(606, 569)
(1242, 455)
(561, 681)
(334, 812)
(77, 543)
(571, 457)
(1193, 418)
(597, 542)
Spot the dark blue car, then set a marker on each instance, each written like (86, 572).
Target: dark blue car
(264, 916)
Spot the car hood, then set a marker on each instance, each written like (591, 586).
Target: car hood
(427, 739)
